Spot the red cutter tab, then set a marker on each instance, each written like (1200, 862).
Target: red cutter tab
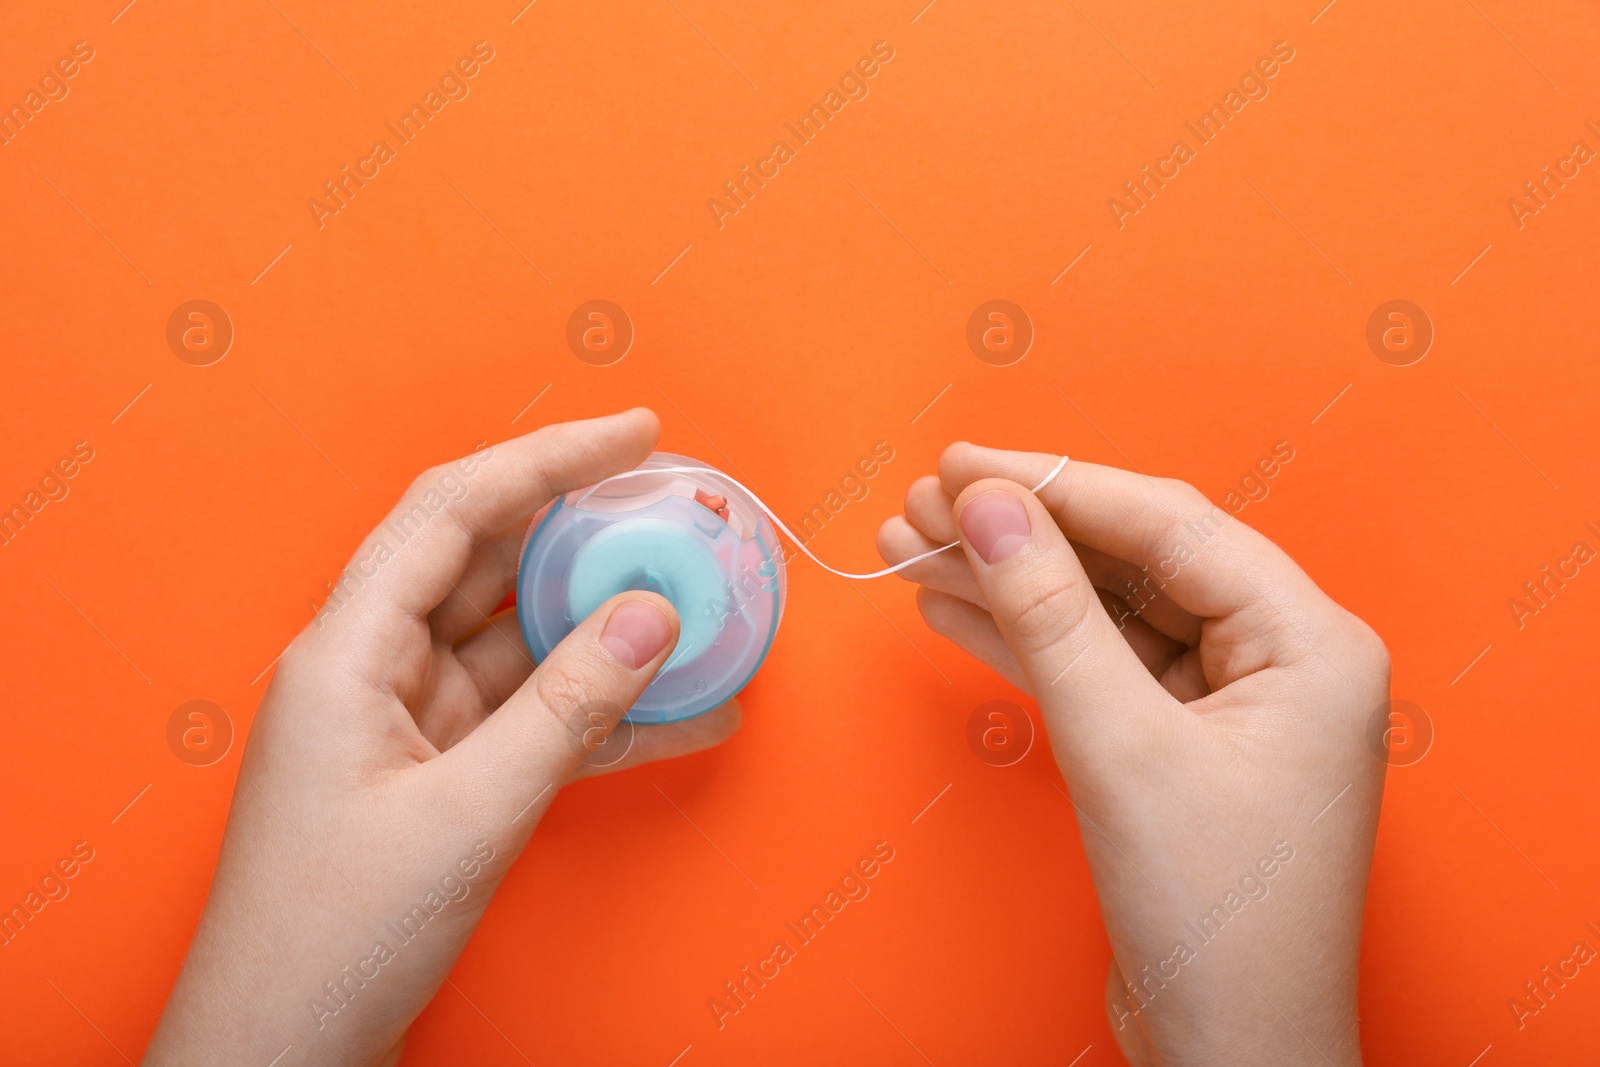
(715, 503)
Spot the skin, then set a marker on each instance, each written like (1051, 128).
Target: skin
(1205, 721)
(1205, 702)
(406, 739)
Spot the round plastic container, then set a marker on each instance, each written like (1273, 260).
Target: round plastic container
(695, 538)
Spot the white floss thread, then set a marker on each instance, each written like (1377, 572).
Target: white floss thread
(790, 534)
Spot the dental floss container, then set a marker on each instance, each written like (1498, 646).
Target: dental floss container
(697, 539)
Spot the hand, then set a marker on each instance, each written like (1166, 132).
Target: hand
(1208, 707)
(403, 753)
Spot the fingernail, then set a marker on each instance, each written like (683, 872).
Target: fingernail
(995, 524)
(636, 631)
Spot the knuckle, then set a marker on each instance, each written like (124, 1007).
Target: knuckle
(898, 541)
(1047, 611)
(421, 484)
(1191, 505)
(298, 658)
(435, 495)
(571, 695)
(1371, 651)
(564, 693)
(1165, 511)
(414, 501)
(936, 613)
(1185, 494)
(1182, 515)
(890, 536)
(548, 449)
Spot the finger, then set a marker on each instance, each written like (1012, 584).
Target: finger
(1138, 595)
(948, 572)
(1185, 678)
(629, 745)
(930, 509)
(534, 741)
(1209, 563)
(973, 630)
(1154, 650)
(928, 523)
(1170, 662)
(465, 687)
(1078, 666)
(490, 574)
(412, 561)
(899, 540)
(497, 659)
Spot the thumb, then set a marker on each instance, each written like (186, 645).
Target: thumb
(1085, 676)
(522, 754)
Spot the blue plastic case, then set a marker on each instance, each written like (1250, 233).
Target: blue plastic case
(695, 538)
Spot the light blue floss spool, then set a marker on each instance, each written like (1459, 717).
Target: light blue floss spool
(697, 537)
(674, 527)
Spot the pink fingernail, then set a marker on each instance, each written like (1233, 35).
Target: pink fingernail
(996, 525)
(636, 631)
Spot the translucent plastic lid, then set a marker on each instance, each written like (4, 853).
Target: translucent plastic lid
(695, 538)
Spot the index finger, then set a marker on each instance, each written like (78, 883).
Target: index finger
(413, 560)
(1203, 559)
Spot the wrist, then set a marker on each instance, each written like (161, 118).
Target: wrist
(1234, 1023)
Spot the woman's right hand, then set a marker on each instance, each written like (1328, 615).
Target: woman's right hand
(1208, 707)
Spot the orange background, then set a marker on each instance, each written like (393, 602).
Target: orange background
(825, 316)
